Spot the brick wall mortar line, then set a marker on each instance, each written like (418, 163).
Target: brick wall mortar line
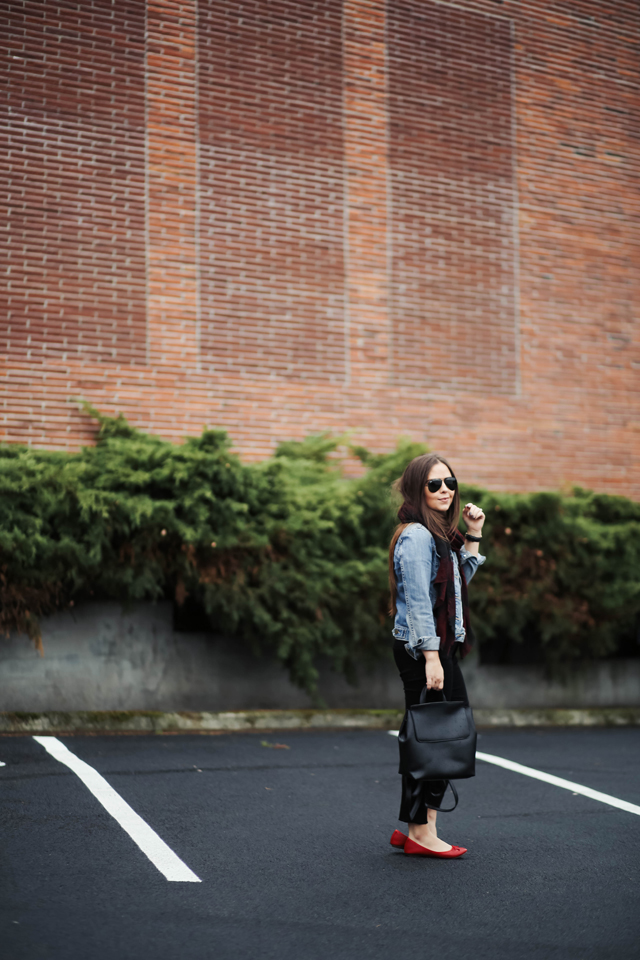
(474, 9)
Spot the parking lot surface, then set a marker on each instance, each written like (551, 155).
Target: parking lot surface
(290, 844)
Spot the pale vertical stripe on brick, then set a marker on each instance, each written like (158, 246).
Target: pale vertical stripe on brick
(366, 195)
(172, 183)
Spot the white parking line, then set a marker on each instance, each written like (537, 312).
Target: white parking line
(559, 782)
(556, 781)
(161, 856)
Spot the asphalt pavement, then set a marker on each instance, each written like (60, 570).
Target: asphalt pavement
(291, 847)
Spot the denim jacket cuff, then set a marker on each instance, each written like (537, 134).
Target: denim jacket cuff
(465, 555)
(424, 643)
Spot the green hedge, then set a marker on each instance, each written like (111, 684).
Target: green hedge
(290, 556)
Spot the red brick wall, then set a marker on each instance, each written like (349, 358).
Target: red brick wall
(271, 188)
(451, 162)
(73, 170)
(400, 217)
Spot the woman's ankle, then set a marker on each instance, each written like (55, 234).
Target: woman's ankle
(419, 830)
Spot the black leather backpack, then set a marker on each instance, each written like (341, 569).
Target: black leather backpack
(438, 742)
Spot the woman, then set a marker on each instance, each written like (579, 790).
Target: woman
(430, 565)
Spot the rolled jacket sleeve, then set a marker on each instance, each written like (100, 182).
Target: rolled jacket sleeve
(470, 562)
(414, 555)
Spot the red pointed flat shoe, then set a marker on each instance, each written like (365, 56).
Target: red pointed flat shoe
(412, 847)
(398, 839)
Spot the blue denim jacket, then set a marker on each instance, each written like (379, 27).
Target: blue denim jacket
(416, 562)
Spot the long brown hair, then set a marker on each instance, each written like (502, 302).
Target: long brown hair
(411, 487)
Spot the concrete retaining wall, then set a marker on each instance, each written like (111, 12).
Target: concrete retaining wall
(102, 657)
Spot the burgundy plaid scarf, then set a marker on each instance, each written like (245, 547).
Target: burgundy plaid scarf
(444, 608)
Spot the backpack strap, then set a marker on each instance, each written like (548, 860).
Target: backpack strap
(446, 809)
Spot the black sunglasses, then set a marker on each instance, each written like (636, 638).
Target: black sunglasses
(434, 485)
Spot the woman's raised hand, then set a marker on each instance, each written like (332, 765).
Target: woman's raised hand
(474, 518)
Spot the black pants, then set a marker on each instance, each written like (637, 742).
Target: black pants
(419, 795)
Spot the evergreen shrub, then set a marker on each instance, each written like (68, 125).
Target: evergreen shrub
(288, 555)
